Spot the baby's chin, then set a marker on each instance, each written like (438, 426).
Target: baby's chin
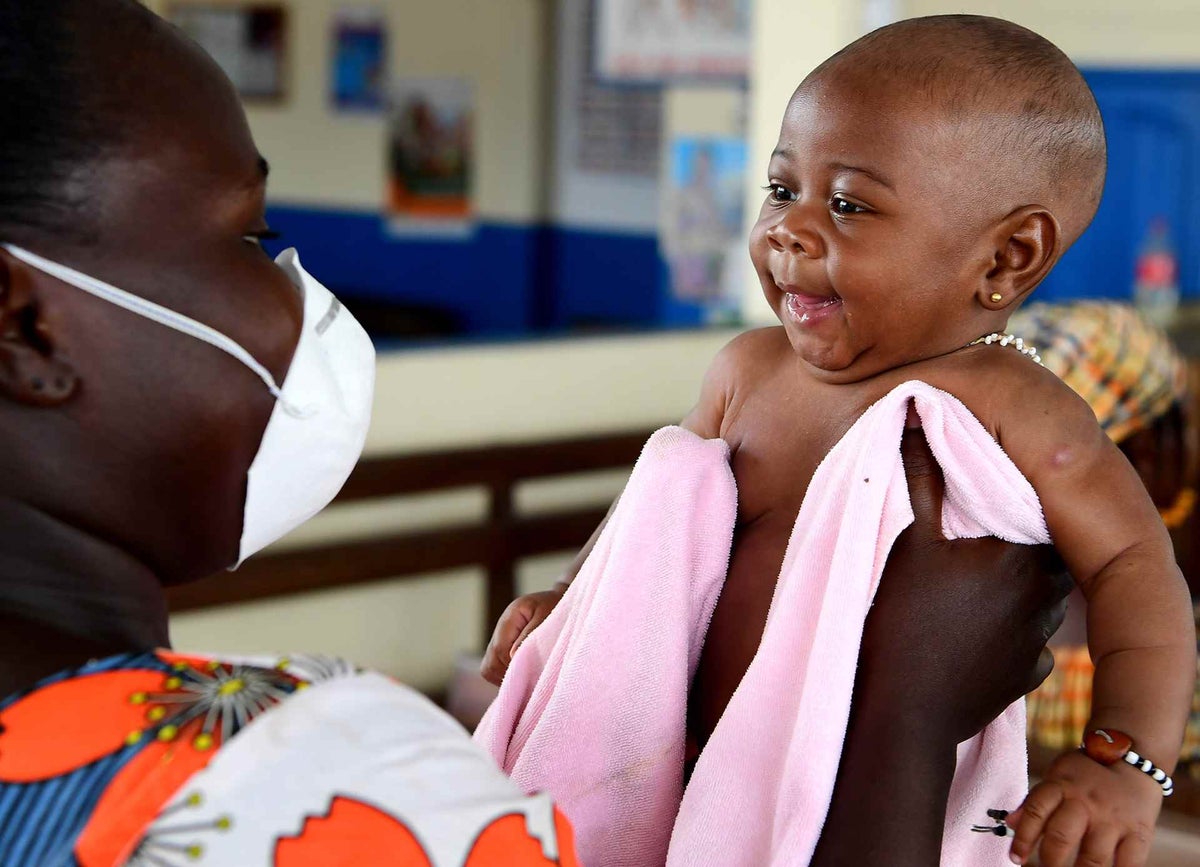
(833, 361)
(825, 346)
(844, 362)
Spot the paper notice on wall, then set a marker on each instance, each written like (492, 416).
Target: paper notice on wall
(659, 40)
(430, 154)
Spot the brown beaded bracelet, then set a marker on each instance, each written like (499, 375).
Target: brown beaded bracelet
(1109, 746)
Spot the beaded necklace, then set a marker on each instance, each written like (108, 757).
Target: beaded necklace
(1006, 339)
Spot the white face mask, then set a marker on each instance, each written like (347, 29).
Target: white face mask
(316, 433)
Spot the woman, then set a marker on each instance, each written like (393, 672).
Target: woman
(172, 400)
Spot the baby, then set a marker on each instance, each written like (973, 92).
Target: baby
(927, 178)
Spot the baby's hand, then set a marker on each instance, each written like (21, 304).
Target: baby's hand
(1087, 815)
(521, 617)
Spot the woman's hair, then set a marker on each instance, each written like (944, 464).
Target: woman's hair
(56, 106)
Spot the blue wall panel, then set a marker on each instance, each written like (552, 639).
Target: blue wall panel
(500, 279)
(485, 278)
(1153, 124)
(598, 279)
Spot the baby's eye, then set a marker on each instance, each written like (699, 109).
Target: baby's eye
(779, 194)
(845, 207)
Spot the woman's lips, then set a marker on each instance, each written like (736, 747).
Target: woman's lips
(810, 309)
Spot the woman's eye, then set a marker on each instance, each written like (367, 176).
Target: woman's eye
(780, 194)
(846, 208)
(257, 238)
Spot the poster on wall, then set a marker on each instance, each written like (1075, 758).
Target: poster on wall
(359, 71)
(430, 153)
(247, 40)
(660, 40)
(701, 234)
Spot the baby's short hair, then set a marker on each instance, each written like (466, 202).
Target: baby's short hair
(1004, 82)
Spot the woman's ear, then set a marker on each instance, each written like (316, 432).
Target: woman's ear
(31, 369)
(1026, 248)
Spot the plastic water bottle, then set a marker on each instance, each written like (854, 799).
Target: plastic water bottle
(1156, 290)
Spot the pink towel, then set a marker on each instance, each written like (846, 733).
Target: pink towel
(593, 709)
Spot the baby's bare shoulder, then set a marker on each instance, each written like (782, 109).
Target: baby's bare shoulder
(1047, 429)
(738, 362)
(1009, 392)
(748, 355)
(757, 346)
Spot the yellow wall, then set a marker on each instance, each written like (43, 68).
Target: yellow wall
(1097, 32)
(320, 157)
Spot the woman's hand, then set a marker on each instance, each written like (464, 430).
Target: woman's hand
(958, 629)
(956, 634)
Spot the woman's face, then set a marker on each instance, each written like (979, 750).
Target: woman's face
(171, 424)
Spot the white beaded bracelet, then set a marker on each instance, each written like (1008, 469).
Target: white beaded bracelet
(1154, 772)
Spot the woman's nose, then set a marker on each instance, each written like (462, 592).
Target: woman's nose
(795, 233)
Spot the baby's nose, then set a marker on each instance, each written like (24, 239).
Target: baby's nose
(794, 234)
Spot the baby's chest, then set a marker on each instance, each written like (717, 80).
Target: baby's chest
(781, 429)
(775, 451)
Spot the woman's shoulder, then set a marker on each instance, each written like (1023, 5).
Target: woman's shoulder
(299, 755)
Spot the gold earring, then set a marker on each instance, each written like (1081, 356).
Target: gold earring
(997, 297)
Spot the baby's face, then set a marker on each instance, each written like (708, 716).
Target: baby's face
(870, 244)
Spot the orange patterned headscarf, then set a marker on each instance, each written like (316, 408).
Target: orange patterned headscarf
(1127, 370)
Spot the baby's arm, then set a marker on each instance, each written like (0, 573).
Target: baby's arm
(1140, 628)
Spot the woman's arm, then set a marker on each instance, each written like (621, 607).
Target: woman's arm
(955, 635)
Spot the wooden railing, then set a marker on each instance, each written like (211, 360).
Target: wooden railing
(496, 543)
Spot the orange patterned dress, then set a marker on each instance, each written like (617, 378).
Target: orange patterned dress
(162, 760)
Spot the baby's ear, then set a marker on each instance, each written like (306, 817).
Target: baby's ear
(1026, 247)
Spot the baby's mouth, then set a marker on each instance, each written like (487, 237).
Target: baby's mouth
(813, 303)
(804, 307)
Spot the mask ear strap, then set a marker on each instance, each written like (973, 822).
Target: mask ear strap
(149, 310)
